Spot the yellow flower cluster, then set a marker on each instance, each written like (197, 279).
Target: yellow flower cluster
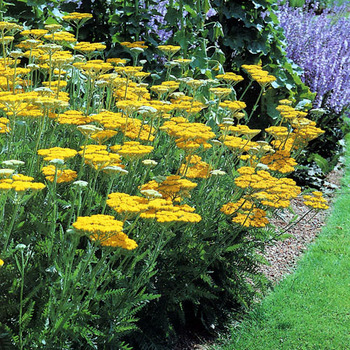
(237, 144)
(73, 117)
(93, 68)
(270, 191)
(259, 75)
(188, 136)
(160, 209)
(173, 187)
(242, 130)
(4, 125)
(220, 91)
(103, 135)
(305, 131)
(280, 161)
(138, 44)
(186, 104)
(245, 213)
(133, 129)
(195, 168)
(61, 37)
(98, 157)
(165, 87)
(57, 153)
(233, 106)
(230, 77)
(74, 16)
(117, 61)
(123, 203)
(169, 50)
(278, 132)
(85, 46)
(105, 230)
(128, 71)
(34, 33)
(62, 176)
(20, 183)
(316, 200)
(178, 214)
(289, 113)
(132, 150)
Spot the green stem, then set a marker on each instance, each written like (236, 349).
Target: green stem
(256, 104)
(10, 227)
(246, 89)
(110, 184)
(21, 271)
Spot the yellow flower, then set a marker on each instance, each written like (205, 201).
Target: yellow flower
(132, 150)
(77, 16)
(61, 37)
(169, 50)
(63, 176)
(220, 92)
(89, 47)
(105, 230)
(103, 135)
(173, 187)
(57, 153)
(73, 117)
(230, 77)
(195, 168)
(34, 33)
(316, 200)
(245, 213)
(123, 203)
(280, 161)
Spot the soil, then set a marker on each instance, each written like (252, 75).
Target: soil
(282, 256)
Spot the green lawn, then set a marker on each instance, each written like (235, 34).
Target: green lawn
(311, 308)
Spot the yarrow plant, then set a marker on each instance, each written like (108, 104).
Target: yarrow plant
(131, 190)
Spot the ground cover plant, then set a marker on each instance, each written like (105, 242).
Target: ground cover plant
(316, 291)
(131, 204)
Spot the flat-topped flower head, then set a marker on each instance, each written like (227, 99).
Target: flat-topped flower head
(62, 176)
(57, 153)
(132, 150)
(77, 17)
(21, 184)
(124, 203)
(230, 77)
(315, 200)
(220, 92)
(105, 230)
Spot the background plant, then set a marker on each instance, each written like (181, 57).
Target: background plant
(325, 64)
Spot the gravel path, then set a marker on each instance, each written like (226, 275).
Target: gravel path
(284, 255)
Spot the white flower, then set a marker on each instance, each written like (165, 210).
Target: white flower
(150, 162)
(6, 172)
(80, 183)
(12, 163)
(57, 161)
(151, 193)
(218, 172)
(113, 169)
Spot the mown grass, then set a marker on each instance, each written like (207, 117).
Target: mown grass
(309, 309)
